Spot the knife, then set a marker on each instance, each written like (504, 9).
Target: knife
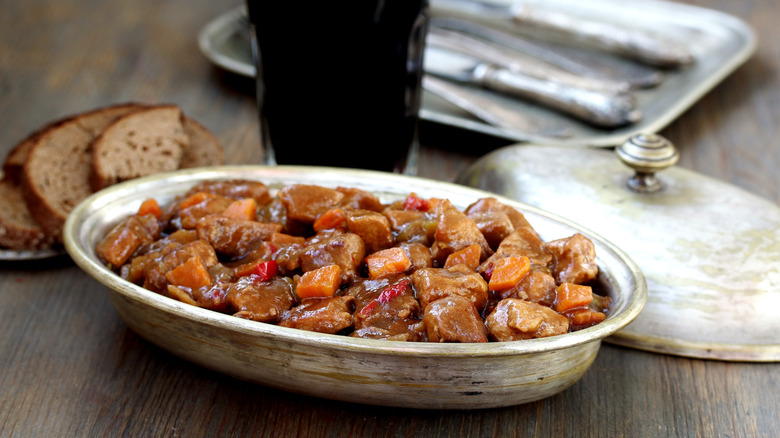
(526, 126)
(652, 48)
(599, 108)
(515, 61)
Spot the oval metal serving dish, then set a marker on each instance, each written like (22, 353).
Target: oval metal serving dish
(412, 375)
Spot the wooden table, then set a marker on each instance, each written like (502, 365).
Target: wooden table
(70, 367)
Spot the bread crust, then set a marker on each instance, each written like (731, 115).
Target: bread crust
(18, 229)
(150, 140)
(49, 172)
(55, 176)
(204, 150)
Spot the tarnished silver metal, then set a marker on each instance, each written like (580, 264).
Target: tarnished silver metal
(405, 374)
(492, 111)
(709, 250)
(647, 154)
(719, 41)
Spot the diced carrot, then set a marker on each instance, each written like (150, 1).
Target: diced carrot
(330, 219)
(150, 206)
(570, 295)
(387, 262)
(508, 271)
(281, 239)
(583, 317)
(322, 282)
(241, 209)
(194, 199)
(245, 269)
(119, 245)
(192, 274)
(468, 256)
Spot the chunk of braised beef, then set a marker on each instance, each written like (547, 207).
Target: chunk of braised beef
(364, 290)
(372, 227)
(222, 274)
(574, 259)
(522, 242)
(346, 250)
(492, 204)
(494, 225)
(433, 284)
(455, 231)
(386, 309)
(236, 189)
(323, 315)
(135, 270)
(213, 297)
(538, 286)
(154, 276)
(288, 258)
(234, 237)
(419, 254)
(412, 226)
(211, 205)
(244, 265)
(264, 301)
(198, 248)
(306, 202)
(360, 199)
(453, 319)
(126, 237)
(154, 269)
(515, 319)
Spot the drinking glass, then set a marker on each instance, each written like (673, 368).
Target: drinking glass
(339, 83)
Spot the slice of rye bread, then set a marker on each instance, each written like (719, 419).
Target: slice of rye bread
(204, 150)
(18, 229)
(14, 161)
(55, 175)
(143, 142)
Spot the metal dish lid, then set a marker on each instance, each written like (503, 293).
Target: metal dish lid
(709, 250)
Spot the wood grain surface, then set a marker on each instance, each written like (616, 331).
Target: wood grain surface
(70, 367)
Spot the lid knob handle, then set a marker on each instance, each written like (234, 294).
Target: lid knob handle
(647, 154)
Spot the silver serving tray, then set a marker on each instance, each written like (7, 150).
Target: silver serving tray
(720, 43)
(411, 375)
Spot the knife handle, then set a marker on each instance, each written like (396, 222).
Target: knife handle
(600, 108)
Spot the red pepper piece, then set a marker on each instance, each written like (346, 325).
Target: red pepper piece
(265, 271)
(386, 295)
(415, 203)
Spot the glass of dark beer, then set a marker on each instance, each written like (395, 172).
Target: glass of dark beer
(339, 83)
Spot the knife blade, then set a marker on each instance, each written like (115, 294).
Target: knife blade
(517, 62)
(530, 128)
(635, 43)
(598, 108)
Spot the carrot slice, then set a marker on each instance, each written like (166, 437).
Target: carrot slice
(194, 199)
(150, 206)
(387, 262)
(241, 209)
(508, 271)
(468, 256)
(570, 295)
(192, 274)
(322, 282)
(583, 317)
(330, 219)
